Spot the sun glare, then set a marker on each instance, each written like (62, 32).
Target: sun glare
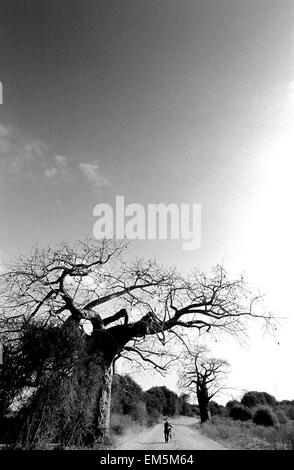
(266, 241)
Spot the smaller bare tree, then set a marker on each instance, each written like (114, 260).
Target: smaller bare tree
(204, 376)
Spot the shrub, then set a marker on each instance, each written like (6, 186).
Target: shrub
(213, 408)
(187, 410)
(253, 399)
(153, 417)
(287, 435)
(265, 416)
(240, 413)
(223, 411)
(127, 397)
(195, 409)
(139, 414)
(290, 412)
(119, 423)
(288, 407)
(246, 435)
(217, 410)
(281, 416)
(183, 406)
(232, 403)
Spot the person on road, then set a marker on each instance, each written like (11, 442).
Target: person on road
(167, 427)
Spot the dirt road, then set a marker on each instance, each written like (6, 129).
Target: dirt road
(185, 436)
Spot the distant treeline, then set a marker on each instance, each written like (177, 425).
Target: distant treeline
(261, 407)
(131, 404)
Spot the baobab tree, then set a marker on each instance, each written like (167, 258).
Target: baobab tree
(48, 300)
(204, 376)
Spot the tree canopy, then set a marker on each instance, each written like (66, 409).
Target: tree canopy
(69, 312)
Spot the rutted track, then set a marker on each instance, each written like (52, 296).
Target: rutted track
(185, 436)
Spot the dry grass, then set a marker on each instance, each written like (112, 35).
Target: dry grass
(247, 435)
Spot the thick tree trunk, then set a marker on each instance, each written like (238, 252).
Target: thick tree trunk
(204, 413)
(102, 411)
(203, 402)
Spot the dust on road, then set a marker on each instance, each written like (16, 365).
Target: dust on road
(185, 436)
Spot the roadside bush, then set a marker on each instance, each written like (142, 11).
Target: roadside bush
(119, 423)
(217, 410)
(253, 399)
(213, 408)
(127, 398)
(232, 403)
(187, 410)
(240, 413)
(287, 435)
(223, 411)
(153, 417)
(264, 416)
(246, 435)
(290, 412)
(140, 413)
(184, 407)
(282, 418)
(288, 407)
(195, 409)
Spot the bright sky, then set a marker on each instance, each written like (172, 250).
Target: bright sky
(159, 101)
